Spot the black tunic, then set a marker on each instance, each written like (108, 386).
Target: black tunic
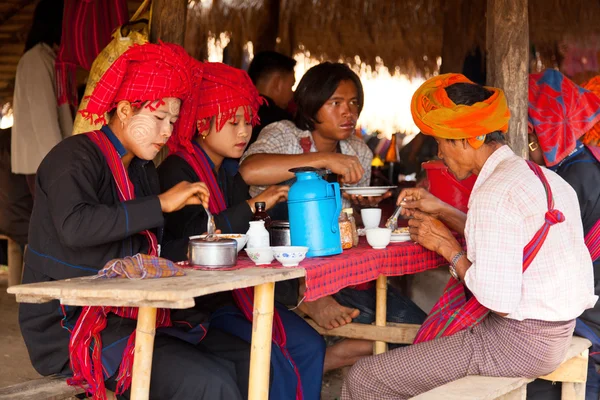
(191, 220)
(582, 172)
(77, 225)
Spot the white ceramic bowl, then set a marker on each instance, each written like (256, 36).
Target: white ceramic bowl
(290, 256)
(379, 238)
(371, 217)
(241, 239)
(260, 255)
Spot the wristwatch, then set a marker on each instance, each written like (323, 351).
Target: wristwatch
(453, 262)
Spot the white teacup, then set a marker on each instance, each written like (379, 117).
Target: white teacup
(379, 238)
(371, 217)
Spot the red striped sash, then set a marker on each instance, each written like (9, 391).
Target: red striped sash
(244, 298)
(91, 322)
(452, 312)
(592, 239)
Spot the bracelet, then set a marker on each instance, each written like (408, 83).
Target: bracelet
(457, 257)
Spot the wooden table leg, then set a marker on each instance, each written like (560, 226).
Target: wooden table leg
(142, 360)
(381, 310)
(262, 333)
(15, 263)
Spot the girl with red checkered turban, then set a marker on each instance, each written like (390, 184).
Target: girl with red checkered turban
(226, 109)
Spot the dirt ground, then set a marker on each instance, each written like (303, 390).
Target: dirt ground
(14, 361)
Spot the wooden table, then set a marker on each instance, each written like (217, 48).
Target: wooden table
(176, 292)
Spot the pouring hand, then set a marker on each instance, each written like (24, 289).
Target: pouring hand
(271, 196)
(370, 201)
(347, 167)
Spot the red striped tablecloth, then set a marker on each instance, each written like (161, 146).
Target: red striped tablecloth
(328, 275)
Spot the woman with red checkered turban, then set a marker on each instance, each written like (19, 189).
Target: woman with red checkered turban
(98, 198)
(226, 109)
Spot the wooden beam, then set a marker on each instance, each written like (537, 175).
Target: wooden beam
(9, 59)
(18, 7)
(12, 48)
(8, 68)
(267, 32)
(168, 21)
(507, 63)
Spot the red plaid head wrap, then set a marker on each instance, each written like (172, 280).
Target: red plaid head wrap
(560, 112)
(219, 91)
(144, 73)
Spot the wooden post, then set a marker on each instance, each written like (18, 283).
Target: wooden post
(168, 21)
(381, 310)
(167, 24)
(266, 38)
(144, 347)
(507, 63)
(262, 334)
(15, 261)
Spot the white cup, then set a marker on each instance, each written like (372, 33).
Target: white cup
(371, 217)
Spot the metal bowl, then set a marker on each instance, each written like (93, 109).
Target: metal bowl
(212, 253)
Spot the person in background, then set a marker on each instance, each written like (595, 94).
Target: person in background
(560, 113)
(273, 75)
(16, 202)
(329, 99)
(39, 123)
(226, 107)
(98, 200)
(520, 216)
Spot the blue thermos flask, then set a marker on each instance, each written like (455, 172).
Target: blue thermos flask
(314, 206)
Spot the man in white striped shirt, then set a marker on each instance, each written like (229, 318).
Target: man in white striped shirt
(533, 313)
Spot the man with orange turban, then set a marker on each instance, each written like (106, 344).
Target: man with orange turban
(514, 324)
(98, 199)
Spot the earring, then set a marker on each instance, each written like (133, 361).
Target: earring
(204, 137)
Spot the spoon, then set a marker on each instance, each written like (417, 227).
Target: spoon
(392, 222)
(210, 225)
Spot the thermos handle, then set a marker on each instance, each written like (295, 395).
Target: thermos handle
(335, 225)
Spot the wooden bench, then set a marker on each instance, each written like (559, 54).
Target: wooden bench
(49, 388)
(15, 261)
(572, 373)
(391, 333)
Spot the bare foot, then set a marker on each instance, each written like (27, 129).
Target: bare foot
(328, 313)
(346, 353)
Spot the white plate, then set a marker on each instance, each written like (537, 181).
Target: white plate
(400, 237)
(367, 191)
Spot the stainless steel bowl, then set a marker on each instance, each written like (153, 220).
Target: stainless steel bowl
(216, 253)
(280, 233)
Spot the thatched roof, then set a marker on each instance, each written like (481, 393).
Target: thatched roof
(406, 35)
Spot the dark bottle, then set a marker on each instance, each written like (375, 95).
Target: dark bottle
(260, 214)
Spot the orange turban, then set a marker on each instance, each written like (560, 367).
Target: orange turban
(436, 115)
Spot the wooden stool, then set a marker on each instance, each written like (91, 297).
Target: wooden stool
(572, 373)
(15, 261)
